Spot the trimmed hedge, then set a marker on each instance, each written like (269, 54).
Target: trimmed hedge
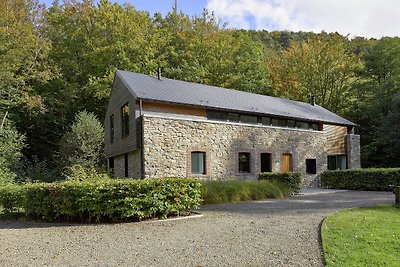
(291, 179)
(215, 192)
(12, 197)
(362, 179)
(113, 200)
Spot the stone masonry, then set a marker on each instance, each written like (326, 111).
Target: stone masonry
(353, 151)
(167, 143)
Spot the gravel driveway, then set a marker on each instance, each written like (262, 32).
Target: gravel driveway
(282, 232)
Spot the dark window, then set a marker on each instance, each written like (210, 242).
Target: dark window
(266, 164)
(198, 162)
(311, 166)
(337, 162)
(301, 125)
(126, 164)
(275, 122)
(314, 126)
(112, 129)
(282, 123)
(248, 119)
(111, 166)
(244, 162)
(125, 120)
(216, 115)
(265, 121)
(233, 117)
(291, 123)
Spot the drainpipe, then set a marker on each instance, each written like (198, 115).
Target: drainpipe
(141, 139)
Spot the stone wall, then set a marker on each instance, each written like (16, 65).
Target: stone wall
(353, 151)
(167, 144)
(133, 165)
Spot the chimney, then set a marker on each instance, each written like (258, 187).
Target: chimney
(159, 74)
(313, 100)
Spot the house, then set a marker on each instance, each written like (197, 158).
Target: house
(160, 127)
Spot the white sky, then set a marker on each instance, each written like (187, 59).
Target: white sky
(367, 18)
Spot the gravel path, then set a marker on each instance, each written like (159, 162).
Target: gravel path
(281, 232)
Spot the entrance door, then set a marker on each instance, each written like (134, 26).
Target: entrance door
(266, 165)
(287, 163)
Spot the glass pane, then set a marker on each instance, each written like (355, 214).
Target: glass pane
(244, 162)
(216, 115)
(248, 119)
(301, 125)
(331, 162)
(266, 121)
(291, 123)
(282, 123)
(198, 162)
(275, 122)
(233, 117)
(341, 162)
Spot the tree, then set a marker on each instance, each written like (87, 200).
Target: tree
(83, 145)
(323, 67)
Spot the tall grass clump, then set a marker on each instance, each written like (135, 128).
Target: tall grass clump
(214, 192)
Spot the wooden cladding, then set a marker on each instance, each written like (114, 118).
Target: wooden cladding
(336, 136)
(174, 109)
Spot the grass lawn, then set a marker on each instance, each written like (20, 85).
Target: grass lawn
(362, 237)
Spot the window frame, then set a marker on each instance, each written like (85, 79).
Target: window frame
(125, 120)
(204, 162)
(313, 168)
(112, 128)
(248, 169)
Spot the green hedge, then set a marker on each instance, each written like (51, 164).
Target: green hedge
(113, 200)
(215, 192)
(290, 179)
(12, 198)
(361, 179)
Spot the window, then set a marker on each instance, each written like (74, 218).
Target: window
(266, 164)
(291, 124)
(282, 123)
(248, 119)
(112, 129)
(265, 121)
(244, 162)
(198, 162)
(125, 120)
(233, 117)
(126, 164)
(287, 163)
(311, 166)
(301, 125)
(313, 126)
(274, 122)
(216, 115)
(337, 162)
(111, 165)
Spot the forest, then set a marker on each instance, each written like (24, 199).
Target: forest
(57, 65)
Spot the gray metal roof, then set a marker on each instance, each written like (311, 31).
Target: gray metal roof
(180, 92)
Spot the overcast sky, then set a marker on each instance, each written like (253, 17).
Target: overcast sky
(368, 18)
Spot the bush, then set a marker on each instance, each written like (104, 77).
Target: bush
(78, 173)
(361, 179)
(291, 179)
(112, 200)
(235, 190)
(12, 197)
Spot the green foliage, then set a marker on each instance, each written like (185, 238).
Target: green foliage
(85, 174)
(114, 200)
(361, 179)
(215, 192)
(84, 144)
(362, 237)
(12, 197)
(7, 177)
(323, 67)
(291, 179)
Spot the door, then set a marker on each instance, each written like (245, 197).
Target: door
(266, 165)
(287, 163)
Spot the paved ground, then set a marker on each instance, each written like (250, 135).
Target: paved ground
(281, 232)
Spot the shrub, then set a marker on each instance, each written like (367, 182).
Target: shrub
(12, 197)
(113, 200)
(78, 173)
(235, 190)
(290, 179)
(361, 179)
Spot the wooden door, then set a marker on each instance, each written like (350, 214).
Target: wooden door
(287, 163)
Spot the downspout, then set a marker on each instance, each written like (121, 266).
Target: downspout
(141, 139)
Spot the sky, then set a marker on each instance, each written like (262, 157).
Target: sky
(367, 18)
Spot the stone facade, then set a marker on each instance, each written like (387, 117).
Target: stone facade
(167, 143)
(353, 151)
(134, 165)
